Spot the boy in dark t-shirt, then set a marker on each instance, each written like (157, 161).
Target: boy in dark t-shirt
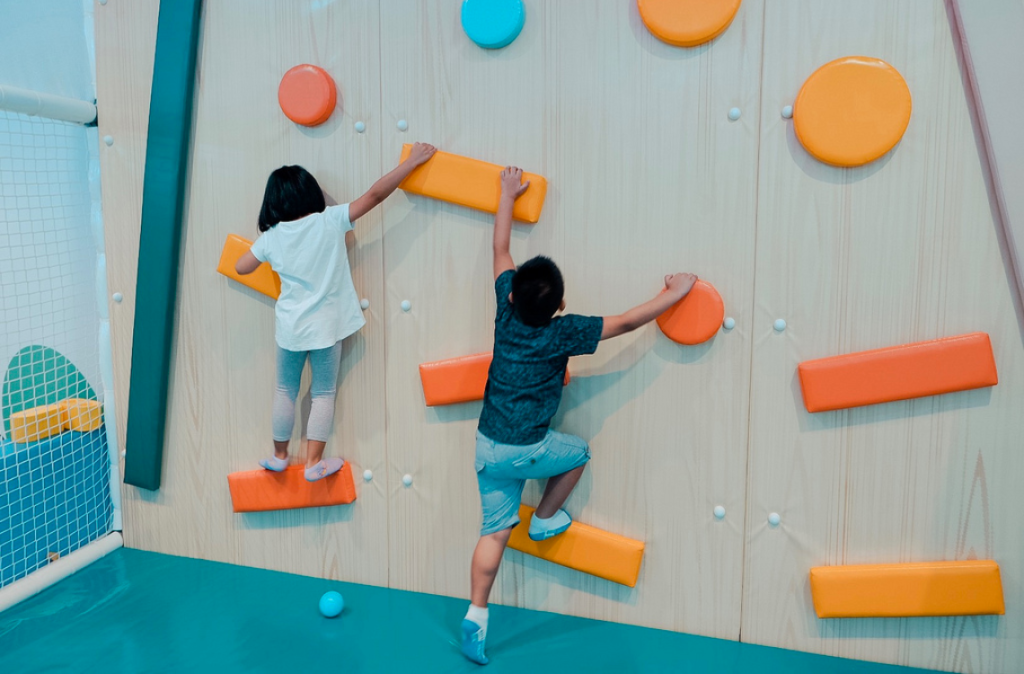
(532, 347)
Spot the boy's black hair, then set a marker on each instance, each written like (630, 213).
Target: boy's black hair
(537, 291)
(292, 193)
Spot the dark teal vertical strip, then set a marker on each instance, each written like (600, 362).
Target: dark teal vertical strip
(163, 211)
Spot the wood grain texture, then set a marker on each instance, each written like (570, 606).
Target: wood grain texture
(125, 46)
(647, 176)
(901, 250)
(224, 366)
(992, 52)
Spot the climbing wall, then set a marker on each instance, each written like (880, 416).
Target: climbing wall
(223, 377)
(900, 250)
(647, 176)
(659, 159)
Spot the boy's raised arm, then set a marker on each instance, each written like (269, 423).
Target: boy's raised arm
(677, 286)
(511, 189)
(383, 188)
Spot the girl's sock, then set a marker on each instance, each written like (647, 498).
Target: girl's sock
(323, 468)
(275, 464)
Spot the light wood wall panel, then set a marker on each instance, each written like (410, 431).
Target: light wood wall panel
(647, 176)
(989, 35)
(901, 250)
(224, 365)
(125, 45)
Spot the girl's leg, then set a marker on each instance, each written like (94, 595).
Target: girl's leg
(289, 373)
(323, 390)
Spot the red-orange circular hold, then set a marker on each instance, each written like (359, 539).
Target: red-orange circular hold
(307, 95)
(687, 23)
(696, 318)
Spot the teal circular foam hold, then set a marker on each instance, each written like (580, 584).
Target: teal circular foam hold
(493, 24)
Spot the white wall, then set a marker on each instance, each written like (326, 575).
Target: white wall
(47, 46)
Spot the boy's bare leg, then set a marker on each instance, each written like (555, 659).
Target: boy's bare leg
(281, 449)
(486, 560)
(557, 491)
(484, 569)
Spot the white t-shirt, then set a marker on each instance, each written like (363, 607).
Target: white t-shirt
(318, 305)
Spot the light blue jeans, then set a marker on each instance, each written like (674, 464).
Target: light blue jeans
(324, 364)
(502, 472)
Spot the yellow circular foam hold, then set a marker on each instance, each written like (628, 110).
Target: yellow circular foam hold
(687, 23)
(852, 111)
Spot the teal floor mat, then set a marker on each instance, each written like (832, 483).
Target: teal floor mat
(136, 611)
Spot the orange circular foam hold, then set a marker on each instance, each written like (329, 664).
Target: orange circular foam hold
(696, 318)
(307, 95)
(851, 111)
(687, 23)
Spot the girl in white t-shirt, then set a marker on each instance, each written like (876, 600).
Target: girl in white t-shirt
(304, 241)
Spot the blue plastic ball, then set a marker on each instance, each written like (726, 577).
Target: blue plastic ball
(331, 604)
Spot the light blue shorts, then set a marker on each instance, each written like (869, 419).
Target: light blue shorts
(502, 472)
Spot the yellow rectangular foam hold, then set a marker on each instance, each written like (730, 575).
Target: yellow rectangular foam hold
(472, 183)
(36, 423)
(584, 548)
(264, 279)
(970, 587)
(78, 414)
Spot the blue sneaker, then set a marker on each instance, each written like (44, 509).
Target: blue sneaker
(541, 530)
(473, 642)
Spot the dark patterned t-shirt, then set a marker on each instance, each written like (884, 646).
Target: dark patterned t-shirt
(524, 384)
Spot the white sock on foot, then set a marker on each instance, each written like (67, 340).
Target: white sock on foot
(478, 615)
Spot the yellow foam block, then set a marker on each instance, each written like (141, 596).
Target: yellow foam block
(36, 423)
(472, 183)
(971, 587)
(78, 414)
(264, 279)
(584, 548)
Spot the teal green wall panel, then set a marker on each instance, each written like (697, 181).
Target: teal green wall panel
(163, 212)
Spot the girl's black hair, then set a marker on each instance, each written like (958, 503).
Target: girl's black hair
(292, 193)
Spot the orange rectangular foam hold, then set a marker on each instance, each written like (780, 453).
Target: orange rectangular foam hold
(584, 548)
(260, 490)
(895, 373)
(264, 279)
(36, 423)
(457, 380)
(472, 183)
(78, 414)
(971, 587)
